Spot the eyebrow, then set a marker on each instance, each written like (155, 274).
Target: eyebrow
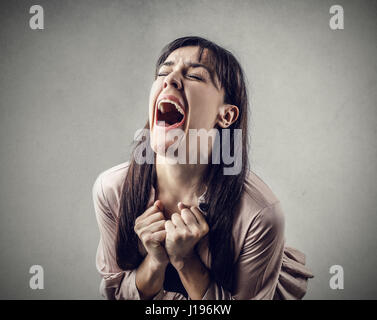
(193, 65)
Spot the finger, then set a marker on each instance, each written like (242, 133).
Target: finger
(198, 215)
(153, 239)
(159, 204)
(188, 217)
(169, 227)
(151, 210)
(203, 225)
(192, 224)
(159, 236)
(177, 221)
(157, 216)
(153, 227)
(181, 206)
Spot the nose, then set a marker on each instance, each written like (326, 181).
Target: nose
(173, 80)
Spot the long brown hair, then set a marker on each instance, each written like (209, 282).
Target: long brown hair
(223, 191)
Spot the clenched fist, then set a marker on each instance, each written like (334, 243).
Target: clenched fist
(150, 228)
(183, 232)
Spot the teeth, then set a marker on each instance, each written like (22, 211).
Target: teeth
(172, 102)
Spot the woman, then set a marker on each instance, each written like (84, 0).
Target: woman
(190, 230)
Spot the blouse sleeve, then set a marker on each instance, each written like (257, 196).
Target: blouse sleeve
(115, 283)
(258, 266)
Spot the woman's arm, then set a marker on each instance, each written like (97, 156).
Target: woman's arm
(150, 277)
(145, 282)
(258, 265)
(195, 277)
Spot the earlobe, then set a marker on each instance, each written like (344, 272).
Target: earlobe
(228, 114)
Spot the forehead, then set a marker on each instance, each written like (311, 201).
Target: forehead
(190, 54)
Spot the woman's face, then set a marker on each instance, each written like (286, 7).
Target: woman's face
(188, 83)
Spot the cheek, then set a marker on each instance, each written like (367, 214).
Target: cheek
(204, 114)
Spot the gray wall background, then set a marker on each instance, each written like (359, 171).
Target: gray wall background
(73, 94)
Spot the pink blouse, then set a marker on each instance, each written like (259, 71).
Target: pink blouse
(264, 267)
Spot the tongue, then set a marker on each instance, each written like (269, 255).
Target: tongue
(171, 114)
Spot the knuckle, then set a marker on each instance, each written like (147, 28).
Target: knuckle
(204, 228)
(147, 238)
(143, 235)
(196, 233)
(185, 235)
(136, 227)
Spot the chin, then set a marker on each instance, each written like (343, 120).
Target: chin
(166, 143)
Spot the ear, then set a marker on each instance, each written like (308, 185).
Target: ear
(228, 114)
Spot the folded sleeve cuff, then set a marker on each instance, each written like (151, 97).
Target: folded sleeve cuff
(293, 277)
(216, 292)
(120, 286)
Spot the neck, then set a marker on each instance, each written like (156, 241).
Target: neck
(180, 181)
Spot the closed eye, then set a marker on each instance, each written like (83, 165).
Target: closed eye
(194, 76)
(189, 75)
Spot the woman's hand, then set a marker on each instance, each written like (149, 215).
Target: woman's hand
(183, 232)
(150, 228)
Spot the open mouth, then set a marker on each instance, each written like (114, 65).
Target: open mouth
(169, 114)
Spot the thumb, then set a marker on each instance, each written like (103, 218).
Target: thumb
(158, 203)
(181, 206)
(159, 236)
